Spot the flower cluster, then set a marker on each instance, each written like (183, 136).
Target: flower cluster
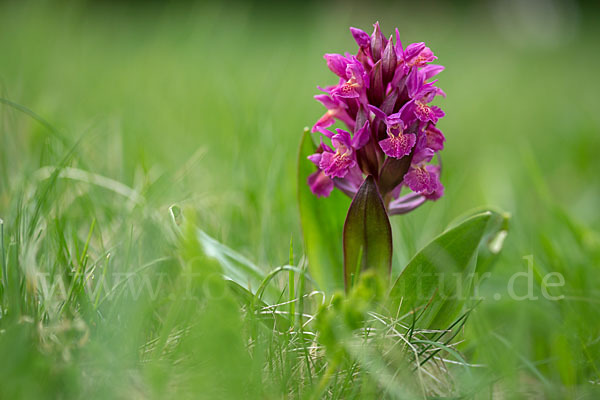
(383, 97)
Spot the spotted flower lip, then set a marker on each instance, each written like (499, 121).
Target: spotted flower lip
(423, 179)
(398, 143)
(420, 107)
(336, 164)
(383, 97)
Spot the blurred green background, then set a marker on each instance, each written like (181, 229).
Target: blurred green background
(203, 105)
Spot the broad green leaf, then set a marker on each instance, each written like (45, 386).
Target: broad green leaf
(322, 222)
(232, 266)
(437, 282)
(367, 235)
(236, 267)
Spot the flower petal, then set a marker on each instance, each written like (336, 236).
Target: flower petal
(435, 138)
(320, 184)
(362, 136)
(325, 132)
(398, 146)
(343, 138)
(362, 38)
(399, 48)
(378, 113)
(429, 71)
(421, 179)
(337, 64)
(426, 113)
(406, 203)
(414, 82)
(324, 122)
(335, 165)
(327, 101)
(423, 155)
(315, 158)
(413, 50)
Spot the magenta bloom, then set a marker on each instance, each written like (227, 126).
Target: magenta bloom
(337, 164)
(383, 97)
(423, 179)
(422, 110)
(417, 55)
(354, 78)
(398, 143)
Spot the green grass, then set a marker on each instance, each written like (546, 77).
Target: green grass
(111, 114)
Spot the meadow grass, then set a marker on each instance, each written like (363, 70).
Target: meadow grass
(111, 114)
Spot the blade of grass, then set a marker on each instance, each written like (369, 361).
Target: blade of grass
(4, 277)
(55, 132)
(291, 285)
(446, 343)
(102, 281)
(78, 278)
(450, 350)
(301, 286)
(526, 362)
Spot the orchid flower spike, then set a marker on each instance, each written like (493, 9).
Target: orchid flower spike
(383, 98)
